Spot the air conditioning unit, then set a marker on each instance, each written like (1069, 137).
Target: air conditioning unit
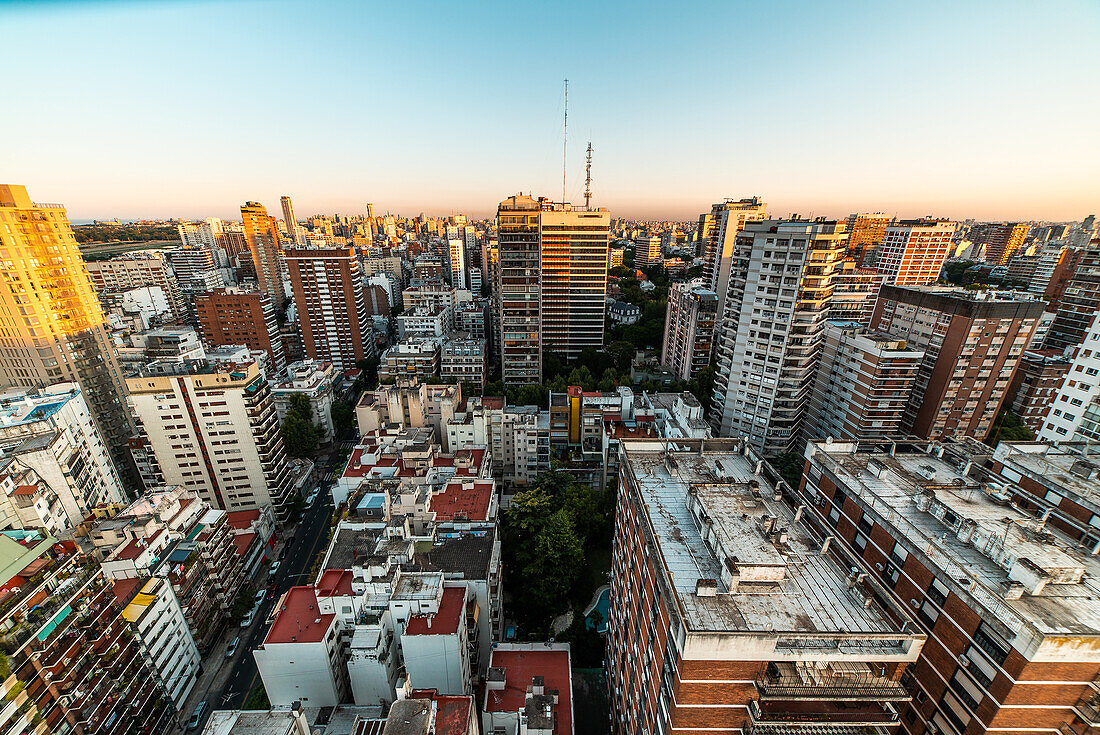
(879, 566)
(915, 603)
(964, 661)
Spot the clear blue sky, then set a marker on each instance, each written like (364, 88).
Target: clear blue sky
(173, 108)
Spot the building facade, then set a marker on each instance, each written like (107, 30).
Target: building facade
(332, 308)
(913, 251)
(690, 323)
(262, 234)
(231, 316)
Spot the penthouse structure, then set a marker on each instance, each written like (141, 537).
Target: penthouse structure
(690, 323)
(972, 342)
(862, 385)
(730, 611)
(1003, 595)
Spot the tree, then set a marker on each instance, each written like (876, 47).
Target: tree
(243, 602)
(343, 417)
(558, 555)
(1008, 427)
(789, 466)
(300, 435)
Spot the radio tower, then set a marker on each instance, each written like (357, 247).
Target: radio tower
(564, 142)
(588, 176)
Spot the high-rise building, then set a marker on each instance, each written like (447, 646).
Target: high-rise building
(690, 321)
(294, 231)
(727, 219)
(862, 385)
(202, 234)
(53, 328)
(332, 307)
(865, 234)
(190, 416)
(780, 287)
(984, 570)
(1035, 386)
(855, 290)
(731, 612)
(1079, 301)
(647, 251)
(972, 342)
(913, 251)
(1074, 413)
(456, 263)
(196, 269)
(1000, 240)
(551, 282)
(137, 270)
(231, 316)
(262, 235)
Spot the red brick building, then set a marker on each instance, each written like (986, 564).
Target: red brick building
(331, 303)
(230, 316)
(1035, 385)
(731, 613)
(1009, 603)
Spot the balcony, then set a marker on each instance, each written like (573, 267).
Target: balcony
(832, 718)
(844, 682)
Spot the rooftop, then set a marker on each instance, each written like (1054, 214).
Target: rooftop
(471, 555)
(299, 619)
(463, 501)
(444, 622)
(521, 663)
(761, 571)
(1021, 572)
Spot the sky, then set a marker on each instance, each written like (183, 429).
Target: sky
(177, 108)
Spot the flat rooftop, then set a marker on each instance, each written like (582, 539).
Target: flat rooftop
(768, 571)
(444, 622)
(984, 547)
(463, 501)
(521, 663)
(299, 619)
(1065, 467)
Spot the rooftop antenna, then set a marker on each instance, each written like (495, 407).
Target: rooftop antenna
(564, 141)
(588, 176)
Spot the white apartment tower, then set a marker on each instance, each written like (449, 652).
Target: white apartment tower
(913, 251)
(726, 220)
(780, 285)
(1075, 413)
(456, 254)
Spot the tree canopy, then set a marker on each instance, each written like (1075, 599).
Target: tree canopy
(300, 435)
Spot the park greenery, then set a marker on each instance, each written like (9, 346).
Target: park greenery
(124, 233)
(552, 534)
(300, 435)
(958, 273)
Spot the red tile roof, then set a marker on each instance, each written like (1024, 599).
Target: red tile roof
(471, 501)
(242, 519)
(242, 541)
(446, 621)
(299, 620)
(335, 582)
(124, 588)
(520, 666)
(25, 490)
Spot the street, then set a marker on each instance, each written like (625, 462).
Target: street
(310, 535)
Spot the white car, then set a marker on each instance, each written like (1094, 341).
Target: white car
(274, 569)
(260, 597)
(247, 619)
(232, 647)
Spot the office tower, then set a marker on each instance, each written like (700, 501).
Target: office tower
(1074, 413)
(854, 292)
(987, 575)
(972, 342)
(1034, 388)
(77, 660)
(727, 221)
(865, 234)
(59, 334)
(1079, 301)
(196, 269)
(294, 231)
(913, 251)
(1000, 240)
(647, 251)
(262, 235)
(862, 385)
(186, 415)
(551, 282)
(111, 278)
(731, 611)
(690, 321)
(771, 330)
(456, 263)
(370, 211)
(332, 309)
(232, 316)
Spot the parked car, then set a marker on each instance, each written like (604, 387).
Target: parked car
(197, 715)
(232, 647)
(260, 595)
(274, 569)
(247, 619)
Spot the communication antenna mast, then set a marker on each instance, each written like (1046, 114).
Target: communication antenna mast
(588, 176)
(564, 141)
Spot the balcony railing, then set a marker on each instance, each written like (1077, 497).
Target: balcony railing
(786, 681)
(803, 714)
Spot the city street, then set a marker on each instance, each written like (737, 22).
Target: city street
(229, 685)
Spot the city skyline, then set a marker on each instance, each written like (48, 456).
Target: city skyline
(821, 110)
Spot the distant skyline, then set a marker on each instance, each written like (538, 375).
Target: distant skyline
(187, 108)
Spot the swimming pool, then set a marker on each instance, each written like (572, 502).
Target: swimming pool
(597, 611)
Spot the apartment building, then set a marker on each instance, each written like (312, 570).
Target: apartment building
(1001, 241)
(410, 406)
(332, 311)
(216, 432)
(551, 279)
(413, 359)
(855, 291)
(866, 233)
(314, 380)
(262, 235)
(196, 269)
(690, 323)
(1079, 301)
(142, 269)
(862, 386)
(772, 329)
(1035, 386)
(424, 321)
(731, 611)
(1074, 412)
(727, 220)
(49, 290)
(647, 251)
(913, 251)
(528, 688)
(972, 342)
(995, 585)
(232, 316)
(464, 361)
(52, 432)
